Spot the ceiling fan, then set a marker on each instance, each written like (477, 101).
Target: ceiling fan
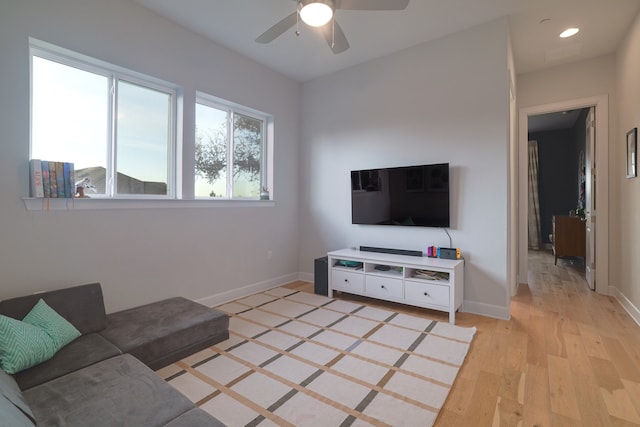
(321, 13)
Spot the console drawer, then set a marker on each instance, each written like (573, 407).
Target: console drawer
(427, 293)
(384, 287)
(347, 281)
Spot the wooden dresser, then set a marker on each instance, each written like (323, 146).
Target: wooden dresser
(568, 237)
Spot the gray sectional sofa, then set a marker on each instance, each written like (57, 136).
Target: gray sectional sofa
(105, 377)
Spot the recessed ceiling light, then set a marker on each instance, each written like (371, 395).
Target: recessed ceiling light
(569, 32)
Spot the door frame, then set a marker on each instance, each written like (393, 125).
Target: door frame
(601, 104)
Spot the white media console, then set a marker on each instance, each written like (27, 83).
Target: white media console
(432, 283)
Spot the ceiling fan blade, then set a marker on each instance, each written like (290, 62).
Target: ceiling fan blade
(278, 29)
(372, 4)
(334, 35)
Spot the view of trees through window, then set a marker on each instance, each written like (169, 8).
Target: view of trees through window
(214, 153)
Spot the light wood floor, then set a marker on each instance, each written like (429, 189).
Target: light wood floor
(567, 357)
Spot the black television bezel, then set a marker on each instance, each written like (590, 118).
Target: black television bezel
(444, 223)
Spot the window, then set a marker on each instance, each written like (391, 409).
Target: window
(230, 150)
(116, 126)
(120, 130)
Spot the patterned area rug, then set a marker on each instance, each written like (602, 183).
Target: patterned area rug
(299, 359)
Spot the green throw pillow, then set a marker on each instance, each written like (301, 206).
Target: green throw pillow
(35, 339)
(23, 345)
(57, 327)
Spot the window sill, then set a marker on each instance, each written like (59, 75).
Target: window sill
(39, 204)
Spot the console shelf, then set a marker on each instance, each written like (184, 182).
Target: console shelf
(419, 281)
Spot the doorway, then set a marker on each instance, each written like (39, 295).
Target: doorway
(598, 237)
(559, 176)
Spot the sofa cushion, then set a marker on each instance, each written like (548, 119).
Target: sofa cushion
(165, 331)
(13, 406)
(82, 306)
(84, 351)
(120, 391)
(46, 318)
(23, 345)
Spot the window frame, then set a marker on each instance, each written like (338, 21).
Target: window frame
(115, 74)
(233, 108)
(180, 171)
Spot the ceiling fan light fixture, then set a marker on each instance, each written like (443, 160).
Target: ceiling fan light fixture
(316, 13)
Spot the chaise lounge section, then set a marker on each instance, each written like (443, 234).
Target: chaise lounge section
(105, 376)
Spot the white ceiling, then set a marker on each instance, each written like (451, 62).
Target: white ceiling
(371, 34)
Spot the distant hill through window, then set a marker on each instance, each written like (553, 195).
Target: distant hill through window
(126, 184)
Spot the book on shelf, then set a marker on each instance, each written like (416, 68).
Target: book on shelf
(51, 179)
(60, 179)
(69, 184)
(46, 184)
(431, 275)
(35, 178)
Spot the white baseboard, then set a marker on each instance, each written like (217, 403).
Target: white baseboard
(225, 297)
(306, 277)
(488, 310)
(628, 306)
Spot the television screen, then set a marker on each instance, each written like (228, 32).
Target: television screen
(410, 196)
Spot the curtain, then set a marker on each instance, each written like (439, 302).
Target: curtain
(534, 204)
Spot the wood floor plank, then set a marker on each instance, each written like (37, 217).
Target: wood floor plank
(616, 398)
(481, 409)
(562, 393)
(537, 342)
(537, 408)
(554, 334)
(619, 405)
(498, 347)
(460, 396)
(625, 366)
(512, 386)
(507, 413)
(633, 388)
(592, 341)
(593, 411)
(576, 353)
(513, 377)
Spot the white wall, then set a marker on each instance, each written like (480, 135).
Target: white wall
(626, 212)
(443, 101)
(581, 79)
(141, 255)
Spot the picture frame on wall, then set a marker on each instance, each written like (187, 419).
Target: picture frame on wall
(632, 156)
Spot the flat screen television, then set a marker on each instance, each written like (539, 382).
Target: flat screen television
(409, 196)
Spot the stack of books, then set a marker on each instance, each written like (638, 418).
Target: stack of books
(52, 179)
(431, 275)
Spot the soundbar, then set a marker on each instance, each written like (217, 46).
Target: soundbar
(391, 251)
